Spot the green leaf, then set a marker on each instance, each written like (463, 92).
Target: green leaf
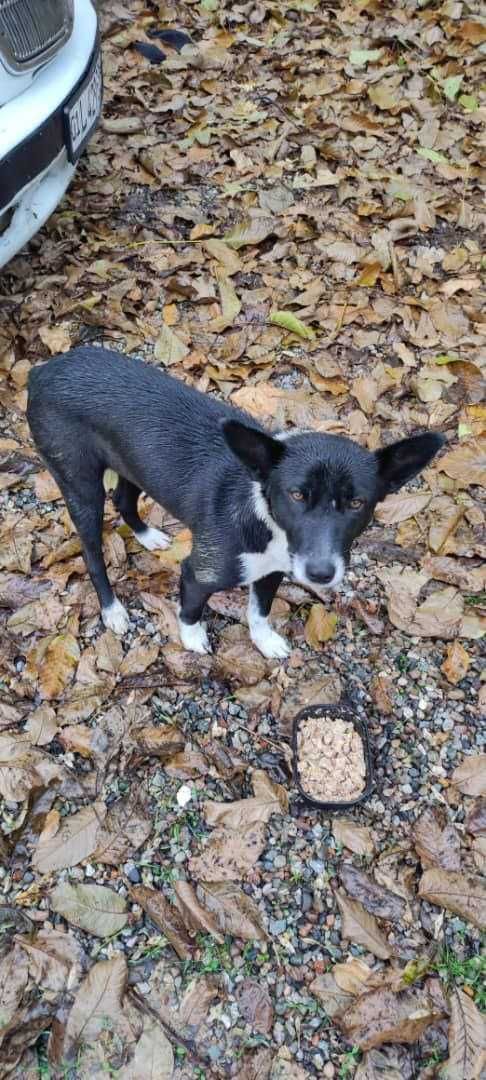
(451, 86)
(469, 102)
(432, 155)
(445, 358)
(292, 323)
(360, 57)
(209, 5)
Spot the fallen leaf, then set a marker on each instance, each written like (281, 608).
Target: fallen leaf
(291, 323)
(276, 199)
(57, 665)
(153, 1058)
(229, 855)
(234, 912)
(93, 908)
(109, 652)
(352, 976)
(255, 1005)
(321, 626)
(464, 894)
(456, 663)
(392, 1063)
(138, 659)
(361, 928)
(476, 818)
(374, 898)
(400, 507)
(44, 614)
(241, 663)
(437, 844)
(330, 995)
(46, 488)
(126, 828)
(56, 960)
(466, 464)
(163, 742)
(230, 304)
(99, 997)
(467, 1040)
(67, 841)
(382, 1017)
(356, 838)
(361, 57)
(381, 689)
(165, 917)
(57, 338)
(224, 255)
(470, 775)
(23, 768)
(194, 915)
(169, 349)
(249, 231)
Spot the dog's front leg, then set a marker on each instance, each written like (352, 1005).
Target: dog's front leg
(193, 598)
(266, 640)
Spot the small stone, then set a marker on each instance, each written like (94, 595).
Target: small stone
(279, 862)
(277, 926)
(133, 875)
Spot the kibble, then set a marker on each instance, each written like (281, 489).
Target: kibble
(331, 760)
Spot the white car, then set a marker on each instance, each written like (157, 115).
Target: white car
(50, 103)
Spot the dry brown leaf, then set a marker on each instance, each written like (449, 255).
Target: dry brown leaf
(93, 908)
(67, 841)
(23, 768)
(476, 818)
(453, 572)
(437, 844)
(467, 1039)
(466, 464)
(41, 725)
(391, 1063)
(165, 917)
(255, 1004)
(375, 898)
(224, 255)
(109, 652)
(382, 1017)
(166, 612)
(229, 855)
(46, 488)
(57, 665)
(57, 338)
(464, 894)
(195, 917)
(56, 960)
(44, 614)
(321, 626)
(169, 349)
(251, 230)
(269, 798)
(356, 838)
(352, 975)
(331, 996)
(233, 911)
(470, 775)
(99, 996)
(400, 507)
(138, 659)
(126, 828)
(361, 928)
(163, 742)
(153, 1058)
(456, 663)
(381, 689)
(241, 663)
(365, 390)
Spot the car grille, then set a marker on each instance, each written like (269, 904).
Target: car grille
(33, 30)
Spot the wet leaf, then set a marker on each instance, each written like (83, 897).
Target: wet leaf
(467, 1049)
(321, 626)
(376, 899)
(352, 976)
(234, 912)
(291, 323)
(67, 841)
(470, 775)
(464, 894)
(383, 1017)
(330, 995)
(361, 928)
(93, 908)
(165, 917)
(437, 844)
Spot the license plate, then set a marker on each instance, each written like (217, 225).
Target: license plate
(83, 110)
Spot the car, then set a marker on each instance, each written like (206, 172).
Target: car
(51, 87)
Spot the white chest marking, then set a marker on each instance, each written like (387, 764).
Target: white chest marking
(276, 557)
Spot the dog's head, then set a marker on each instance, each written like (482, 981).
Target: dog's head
(322, 489)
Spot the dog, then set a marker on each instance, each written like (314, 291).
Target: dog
(259, 505)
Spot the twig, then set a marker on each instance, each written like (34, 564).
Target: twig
(171, 1032)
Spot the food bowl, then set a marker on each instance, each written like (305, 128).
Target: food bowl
(329, 714)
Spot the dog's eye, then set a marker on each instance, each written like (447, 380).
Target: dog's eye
(297, 495)
(356, 504)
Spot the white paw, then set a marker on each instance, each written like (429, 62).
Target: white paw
(115, 617)
(194, 637)
(153, 539)
(271, 644)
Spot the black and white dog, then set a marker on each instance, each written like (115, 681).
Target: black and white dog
(259, 506)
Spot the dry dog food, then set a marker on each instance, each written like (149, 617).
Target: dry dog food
(331, 759)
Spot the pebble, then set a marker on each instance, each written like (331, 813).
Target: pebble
(133, 874)
(277, 926)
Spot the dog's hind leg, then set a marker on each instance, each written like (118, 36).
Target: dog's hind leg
(85, 507)
(125, 499)
(193, 600)
(266, 640)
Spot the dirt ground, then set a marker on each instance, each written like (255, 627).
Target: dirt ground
(287, 212)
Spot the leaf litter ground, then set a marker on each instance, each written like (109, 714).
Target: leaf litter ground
(286, 212)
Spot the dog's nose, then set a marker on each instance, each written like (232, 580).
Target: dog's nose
(321, 573)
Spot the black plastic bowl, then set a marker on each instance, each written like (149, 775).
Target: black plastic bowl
(333, 712)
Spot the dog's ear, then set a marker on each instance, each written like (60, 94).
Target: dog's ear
(403, 460)
(258, 452)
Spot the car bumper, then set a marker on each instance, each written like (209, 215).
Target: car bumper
(35, 169)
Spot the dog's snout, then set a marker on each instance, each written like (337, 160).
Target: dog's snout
(321, 573)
